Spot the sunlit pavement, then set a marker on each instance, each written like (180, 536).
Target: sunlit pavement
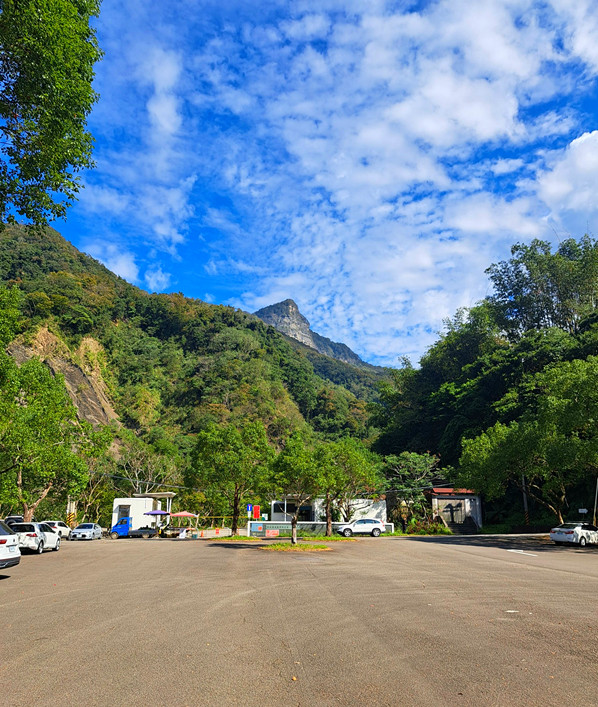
(500, 620)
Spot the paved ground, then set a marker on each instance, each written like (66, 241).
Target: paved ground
(388, 621)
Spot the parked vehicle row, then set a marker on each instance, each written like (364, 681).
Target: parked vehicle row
(84, 531)
(17, 536)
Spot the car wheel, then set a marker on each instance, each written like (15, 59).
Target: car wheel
(347, 532)
(114, 535)
(582, 542)
(40, 548)
(375, 532)
(57, 545)
(145, 536)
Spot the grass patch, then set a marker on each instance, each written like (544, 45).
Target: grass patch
(327, 539)
(299, 547)
(237, 539)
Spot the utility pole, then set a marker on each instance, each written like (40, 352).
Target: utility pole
(525, 508)
(71, 512)
(595, 501)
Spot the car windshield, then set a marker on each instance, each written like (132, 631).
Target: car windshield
(23, 528)
(5, 529)
(84, 526)
(569, 525)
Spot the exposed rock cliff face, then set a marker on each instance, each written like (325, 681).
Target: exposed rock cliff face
(84, 382)
(286, 317)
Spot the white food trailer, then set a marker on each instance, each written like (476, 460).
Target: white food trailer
(138, 505)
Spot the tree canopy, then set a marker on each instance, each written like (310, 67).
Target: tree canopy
(233, 461)
(42, 443)
(549, 447)
(47, 54)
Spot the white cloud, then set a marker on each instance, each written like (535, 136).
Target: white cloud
(568, 185)
(490, 215)
(121, 262)
(580, 29)
(506, 166)
(102, 199)
(156, 279)
(309, 27)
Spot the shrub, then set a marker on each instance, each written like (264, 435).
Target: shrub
(420, 527)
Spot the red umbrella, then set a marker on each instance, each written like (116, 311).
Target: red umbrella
(183, 514)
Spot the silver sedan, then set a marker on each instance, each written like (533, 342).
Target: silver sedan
(86, 531)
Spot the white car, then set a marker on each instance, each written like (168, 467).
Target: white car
(60, 527)
(580, 533)
(37, 537)
(10, 553)
(365, 526)
(86, 531)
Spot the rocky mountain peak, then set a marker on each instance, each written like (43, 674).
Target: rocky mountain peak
(286, 318)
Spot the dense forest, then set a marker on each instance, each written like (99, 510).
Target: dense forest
(506, 396)
(212, 402)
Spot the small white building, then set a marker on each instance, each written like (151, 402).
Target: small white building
(456, 505)
(314, 511)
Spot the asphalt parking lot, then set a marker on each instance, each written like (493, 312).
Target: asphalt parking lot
(387, 621)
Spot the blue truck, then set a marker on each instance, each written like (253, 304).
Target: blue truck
(124, 529)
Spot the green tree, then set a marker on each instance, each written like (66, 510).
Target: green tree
(233, 461)
(143, 466)
(296, 474)
(10, 300)
(95, 499)
(47, 54)
(517, 454)
(550, 447)
(536, 288)
(41, 441)
(355, 473)
(421, 409)
(408, 475)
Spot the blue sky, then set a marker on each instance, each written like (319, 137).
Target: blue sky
(367, 159)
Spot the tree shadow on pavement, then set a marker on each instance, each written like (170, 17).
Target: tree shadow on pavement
(531, 543)
(238, 545)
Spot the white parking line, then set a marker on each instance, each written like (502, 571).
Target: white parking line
(522, 552)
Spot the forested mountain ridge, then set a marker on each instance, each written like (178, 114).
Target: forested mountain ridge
(169, 359)
(156, 380)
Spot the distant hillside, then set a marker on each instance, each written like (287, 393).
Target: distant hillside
(361, 381)
(168, 364)
(286, 317)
